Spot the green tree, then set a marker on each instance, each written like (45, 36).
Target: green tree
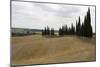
(45, 31)
(48, 31)
(52, 31)
(87, 25)
(78, 27)
(66, 30)
(60, 31)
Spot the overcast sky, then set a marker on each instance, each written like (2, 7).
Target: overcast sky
(38, 15)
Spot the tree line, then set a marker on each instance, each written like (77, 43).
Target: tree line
(47, 31)
(84, 29)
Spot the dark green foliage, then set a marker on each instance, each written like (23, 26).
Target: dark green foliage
(63, 30)
(60, 31)
(91, 32)
(72, 29)
(82, 30)
(86, 28)
(47, 31)
(67, 31)
(78, 27)
(43, 32)
(52, 31)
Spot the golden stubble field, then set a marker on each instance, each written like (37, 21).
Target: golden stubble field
(36, 49)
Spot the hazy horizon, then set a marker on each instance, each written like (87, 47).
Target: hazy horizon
(38, 15)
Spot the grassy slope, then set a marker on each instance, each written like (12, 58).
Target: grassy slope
(39, 50)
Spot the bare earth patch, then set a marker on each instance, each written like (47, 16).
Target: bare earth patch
(36, 49)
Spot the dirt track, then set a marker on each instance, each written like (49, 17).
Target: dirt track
(40, 50)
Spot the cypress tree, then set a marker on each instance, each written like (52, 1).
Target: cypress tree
(69, 30)
(45, 31)
(52, 31)
(60, 32)
(66, 30)
(48, 31)
(72, 29)
(63, 30)
(82, 30)
(76, 27)
(78, 31)
(87, 25)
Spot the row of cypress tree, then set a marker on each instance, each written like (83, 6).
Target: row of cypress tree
(64, 30)
(84, 29)
(47, 31)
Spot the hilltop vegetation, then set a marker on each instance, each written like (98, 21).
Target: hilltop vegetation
(84, 29)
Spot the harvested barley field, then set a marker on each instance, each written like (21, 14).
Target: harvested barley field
(35, 49)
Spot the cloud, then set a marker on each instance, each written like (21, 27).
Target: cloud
(38, 15)
(59, 9)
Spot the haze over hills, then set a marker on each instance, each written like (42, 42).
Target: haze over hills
(13, 29)
(27, 29)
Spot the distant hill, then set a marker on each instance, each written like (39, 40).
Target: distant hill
(25, 30)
